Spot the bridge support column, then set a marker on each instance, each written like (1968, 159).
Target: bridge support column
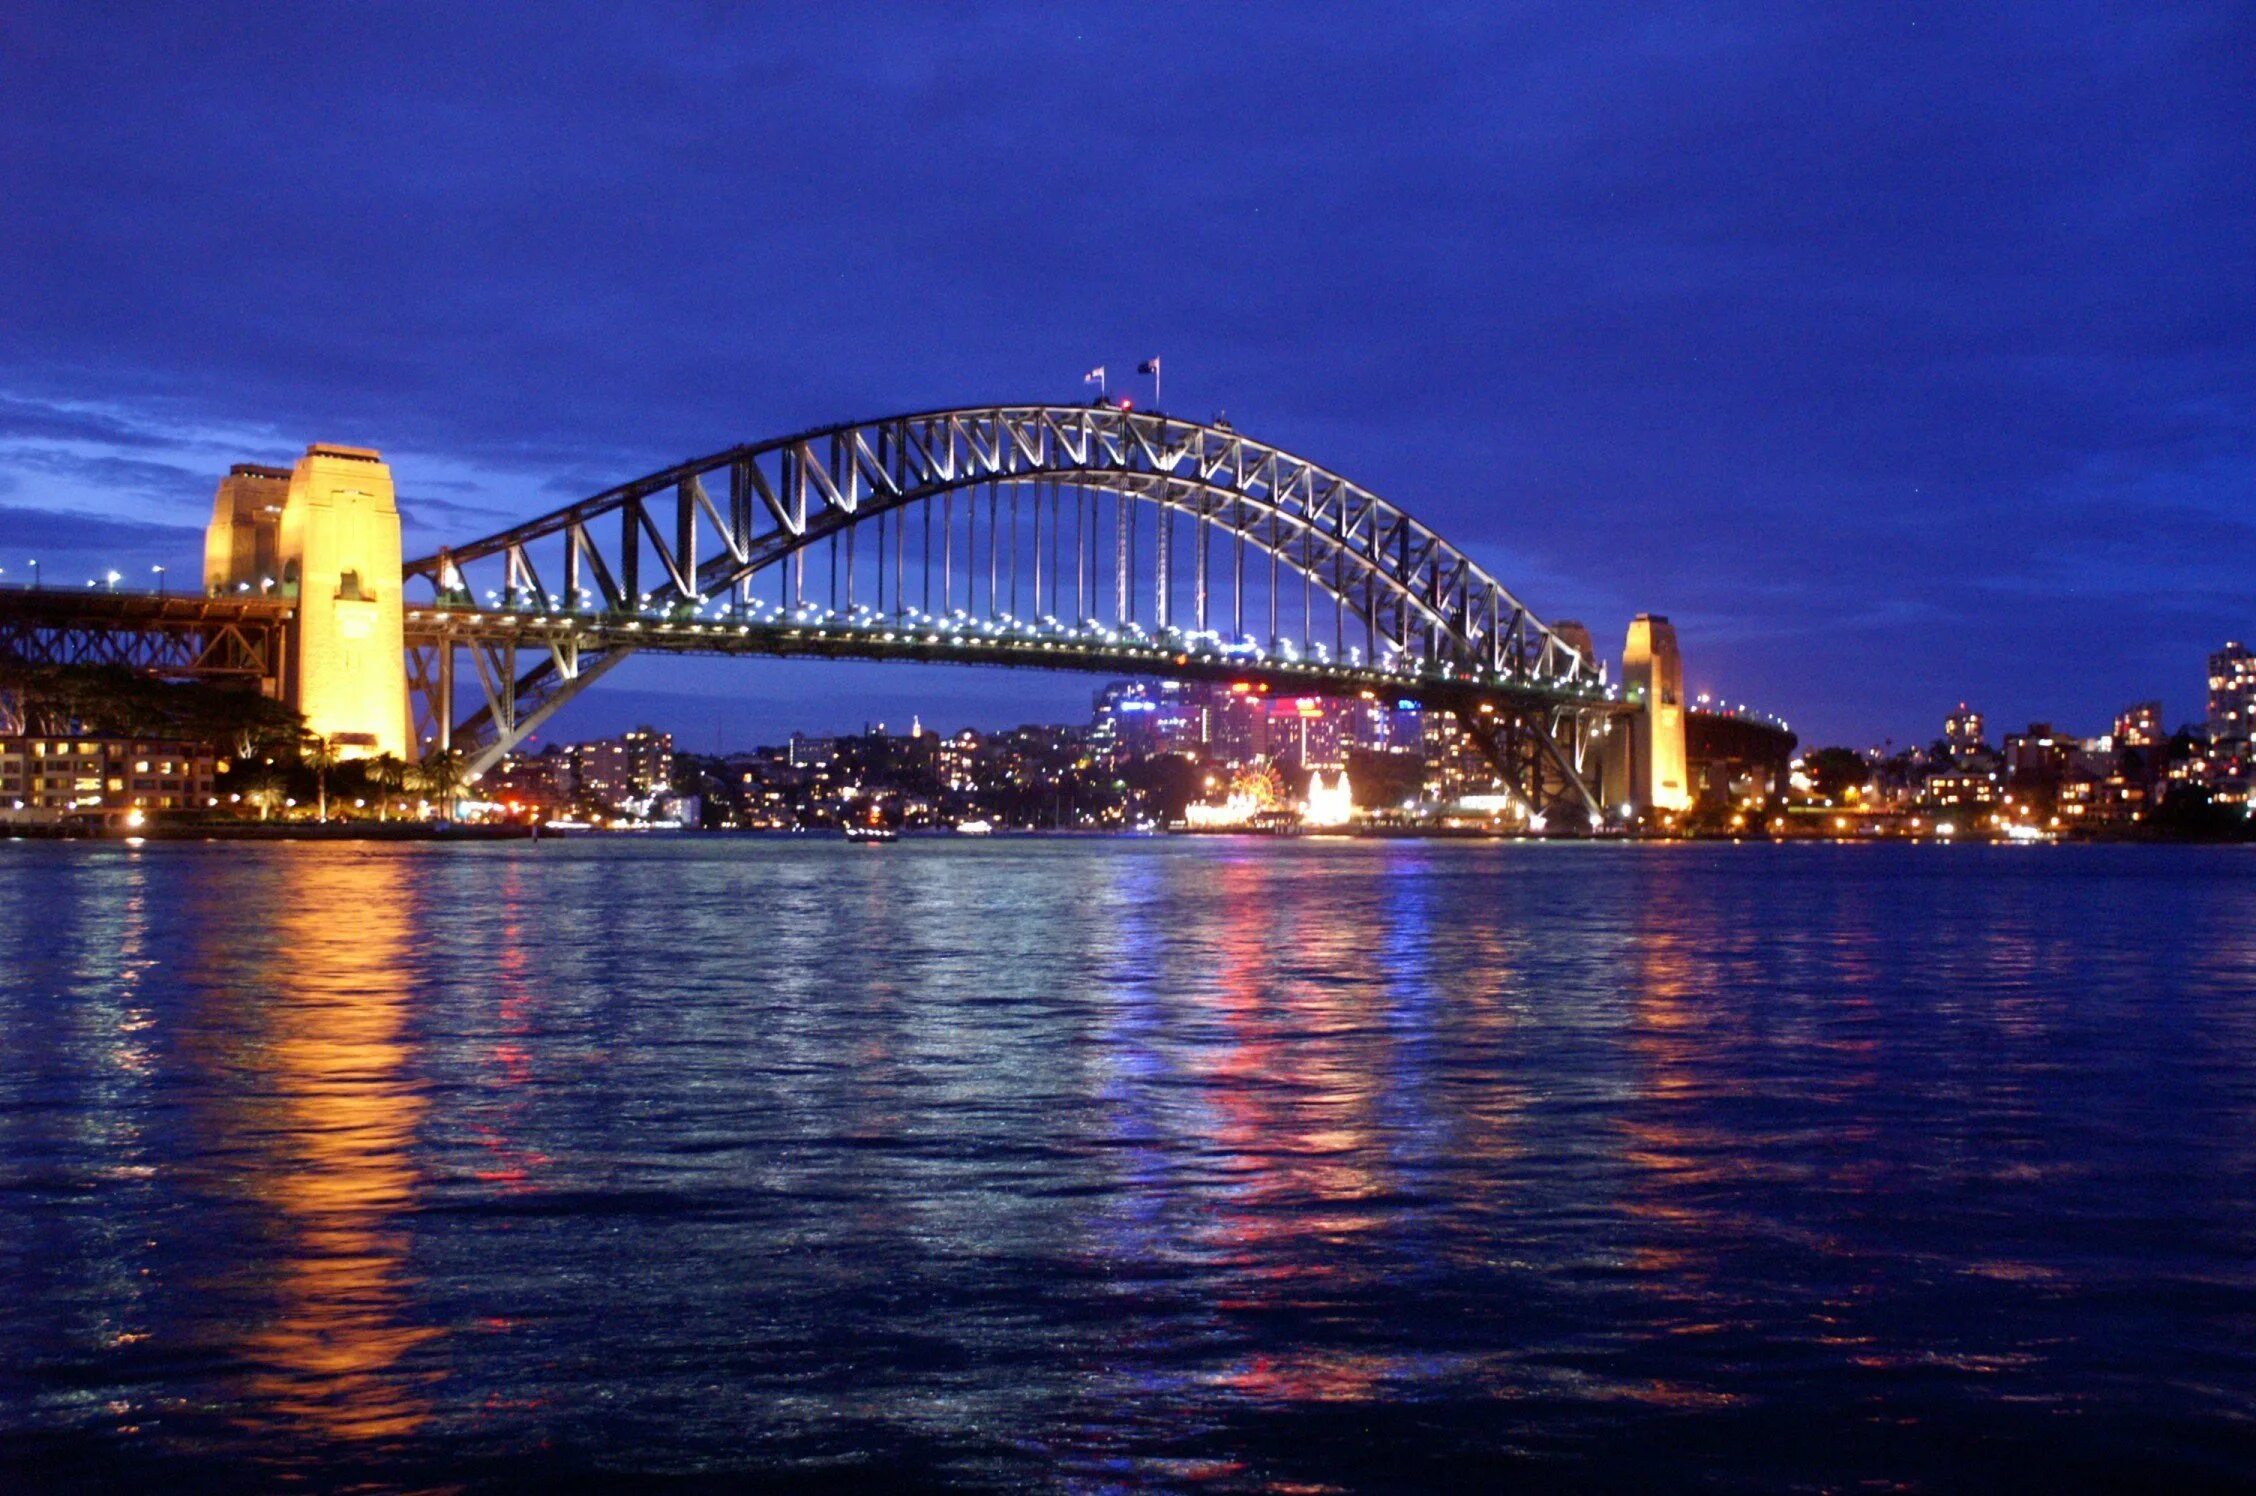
(335, 551)
(442, 710)
(1650, 767)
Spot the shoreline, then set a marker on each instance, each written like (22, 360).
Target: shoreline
(421, 831)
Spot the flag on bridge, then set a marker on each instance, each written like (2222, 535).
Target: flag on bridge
(1094, 376)
(1149, 366)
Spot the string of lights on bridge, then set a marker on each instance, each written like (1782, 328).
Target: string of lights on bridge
(721, 620)
(1171, 644)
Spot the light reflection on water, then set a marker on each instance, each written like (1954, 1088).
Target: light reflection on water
(1200, 1163)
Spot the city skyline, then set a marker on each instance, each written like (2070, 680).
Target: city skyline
(1757, 358)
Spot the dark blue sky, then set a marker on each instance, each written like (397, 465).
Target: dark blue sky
(1900, 353)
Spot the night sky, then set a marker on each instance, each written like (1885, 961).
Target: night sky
(1899, 353)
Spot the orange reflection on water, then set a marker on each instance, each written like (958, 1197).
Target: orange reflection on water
(335, 1130)
(1294, 1099)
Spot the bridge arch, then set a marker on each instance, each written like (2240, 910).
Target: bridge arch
(715, 535)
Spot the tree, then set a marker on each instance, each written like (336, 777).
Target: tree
(1835, 771)
(264, 792)
(114, 701)
(387, 774)
(319, 754)
(443, 774)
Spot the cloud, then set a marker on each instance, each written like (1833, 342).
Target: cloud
(113, 477)
(40, 420)
(71, 547)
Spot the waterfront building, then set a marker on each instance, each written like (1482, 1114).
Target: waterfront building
(1307, 729)
(541, 779)
(1455, 766)
(632, 766)
(1961, 789)
(80, 777)
(1237, 724)
(1138, 718)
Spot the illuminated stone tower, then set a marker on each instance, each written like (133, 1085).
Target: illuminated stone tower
(1657, 774)
(242, 547)
(339, 549)
(1576, 636)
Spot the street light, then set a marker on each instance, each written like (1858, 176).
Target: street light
(111, 577)
(160, 579)
(35, 576)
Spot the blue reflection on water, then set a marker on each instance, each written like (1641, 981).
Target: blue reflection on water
(1184, 1164)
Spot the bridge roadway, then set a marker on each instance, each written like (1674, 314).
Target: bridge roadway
(172, 635)
(1046, 644)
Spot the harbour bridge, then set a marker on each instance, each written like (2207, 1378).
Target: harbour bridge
(1077, 537)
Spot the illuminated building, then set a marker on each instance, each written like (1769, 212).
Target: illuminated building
(2232, 694)
(336, 552)
(1455, 766)
(1963, 731)
(1654, 773)
(1960, 789)
(1307, 729)
(2140, 726)
(543, 779)
(612, 771)
(51, 778)
(1137, 718)
(1237, 723)
(2040, 755)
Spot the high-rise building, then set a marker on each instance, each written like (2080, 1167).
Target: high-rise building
(612, 771)
(1136, 718)
(1237, 728)
(1307, 729)
(2232, 693)
(1963, 730)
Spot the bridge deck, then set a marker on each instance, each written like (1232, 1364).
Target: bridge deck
(980, 642)
(185, 636)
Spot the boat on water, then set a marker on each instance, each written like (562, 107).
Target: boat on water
(871, 831)
(975, 828)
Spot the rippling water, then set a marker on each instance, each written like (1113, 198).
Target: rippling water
(1211, 1164)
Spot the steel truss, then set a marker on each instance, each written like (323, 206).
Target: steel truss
(179, 638)
(1000, 513)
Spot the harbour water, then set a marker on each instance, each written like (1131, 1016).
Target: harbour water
(1129, 1164)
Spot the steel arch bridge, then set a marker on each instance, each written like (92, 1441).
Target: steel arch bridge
(1050, 536)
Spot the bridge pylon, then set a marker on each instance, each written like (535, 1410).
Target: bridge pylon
(324, 538)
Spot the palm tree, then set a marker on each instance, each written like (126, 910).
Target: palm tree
(320, 755)
(265, 792)
(388, 774)
(442, 775)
